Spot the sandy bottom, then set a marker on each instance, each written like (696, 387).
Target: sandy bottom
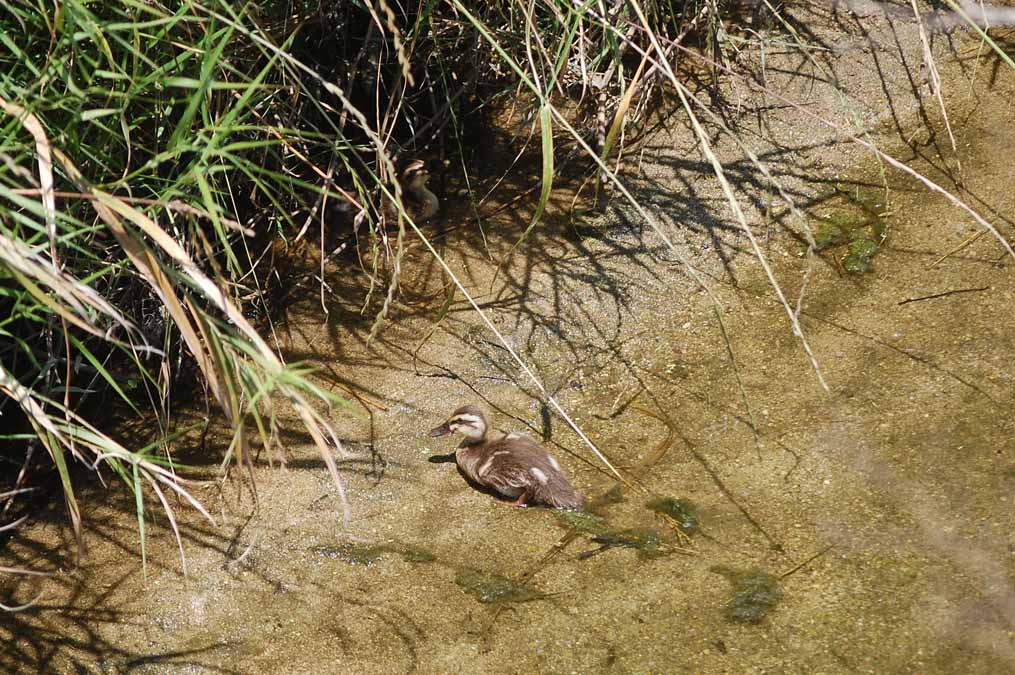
(880, 509)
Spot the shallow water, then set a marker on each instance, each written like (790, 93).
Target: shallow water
(866, 528)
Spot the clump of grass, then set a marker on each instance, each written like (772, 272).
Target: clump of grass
(827, 235)
(141, 181)
(152, 159)
(856, 220)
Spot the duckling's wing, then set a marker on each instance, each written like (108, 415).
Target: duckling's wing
(518, 464)
(509, 465)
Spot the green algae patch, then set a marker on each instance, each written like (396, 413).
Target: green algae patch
(755, 593)
(853, 223)
(493, 588)
(827, 235)
(615, 495)
(583, 521)
(682, 511)
(354, 554)
(860, 254)
(648, 543)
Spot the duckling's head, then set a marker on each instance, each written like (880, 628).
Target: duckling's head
(468, 420)
(415, 175)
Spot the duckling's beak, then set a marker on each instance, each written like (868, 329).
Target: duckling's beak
(442, 430)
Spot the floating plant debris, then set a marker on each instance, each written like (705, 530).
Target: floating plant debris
(351, 553)
(680, 510)
(494, 588)
(755, 593)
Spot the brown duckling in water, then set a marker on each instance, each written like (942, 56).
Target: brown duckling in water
(420, 203)
(512, 464)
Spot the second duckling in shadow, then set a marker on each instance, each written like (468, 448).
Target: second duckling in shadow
(420, 203)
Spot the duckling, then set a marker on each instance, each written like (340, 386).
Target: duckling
(420, 203)
(512, 464)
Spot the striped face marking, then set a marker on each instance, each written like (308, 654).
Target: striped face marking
(469, 425)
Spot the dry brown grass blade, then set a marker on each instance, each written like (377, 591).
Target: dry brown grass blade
(961, 245)
(14, 524)
(396, 37)
(176, 205)
(69, 297)
(148, 267)
(622, 108)
(22, 571)
(172, 520)
(935, 81)
(44, 157)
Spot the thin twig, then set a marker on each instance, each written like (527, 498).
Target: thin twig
(964, 243)
(814, 557)
(945, 293)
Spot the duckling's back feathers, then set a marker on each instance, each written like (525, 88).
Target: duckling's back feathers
(516, 466)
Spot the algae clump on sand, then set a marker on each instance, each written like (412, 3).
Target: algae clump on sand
(494, 588)
(755, 594)
(684, 512)
(648, 543)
